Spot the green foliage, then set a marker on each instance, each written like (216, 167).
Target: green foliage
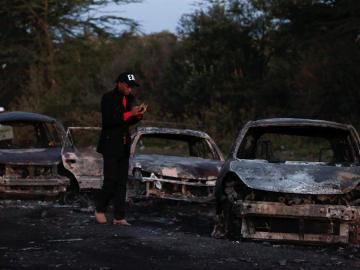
(35, 35)
(231, 61)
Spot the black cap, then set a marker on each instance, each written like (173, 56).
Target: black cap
(128, 78)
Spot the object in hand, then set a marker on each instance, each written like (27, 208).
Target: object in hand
(143, 107)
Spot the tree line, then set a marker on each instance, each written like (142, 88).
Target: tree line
(230, 61)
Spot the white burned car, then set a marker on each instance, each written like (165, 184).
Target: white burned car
(178, 164)
(291, 180)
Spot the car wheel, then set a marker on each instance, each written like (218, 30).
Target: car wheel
(228, 223)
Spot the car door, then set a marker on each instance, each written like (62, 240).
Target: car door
(79, 156)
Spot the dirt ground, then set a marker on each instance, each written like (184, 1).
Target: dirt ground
(163, 235)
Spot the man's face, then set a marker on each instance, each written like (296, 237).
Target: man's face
(124, 88)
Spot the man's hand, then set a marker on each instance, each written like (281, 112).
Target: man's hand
(136, 111)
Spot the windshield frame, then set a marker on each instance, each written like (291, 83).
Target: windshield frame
(182, 137)
(46, 134)
(299, 130)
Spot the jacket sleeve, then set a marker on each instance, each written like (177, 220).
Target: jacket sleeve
(133, 120)
(112, 115)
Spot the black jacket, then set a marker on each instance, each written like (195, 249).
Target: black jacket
(115, 131)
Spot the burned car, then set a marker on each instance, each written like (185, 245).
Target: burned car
(178, 164)
(30, 155)
(291, 180)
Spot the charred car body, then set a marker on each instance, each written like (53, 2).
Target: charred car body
(292, 180)
(179, 164)
(30, 155)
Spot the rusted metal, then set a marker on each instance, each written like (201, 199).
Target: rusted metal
(181, 189)
(32, 187)
(341, 220)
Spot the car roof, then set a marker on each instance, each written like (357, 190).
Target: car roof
(176, 131)
(25, 116)
(296, 122)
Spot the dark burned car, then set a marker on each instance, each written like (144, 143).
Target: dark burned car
(291, 180)
(30, 155)
(179, 164)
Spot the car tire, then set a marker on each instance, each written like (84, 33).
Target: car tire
(228, 224)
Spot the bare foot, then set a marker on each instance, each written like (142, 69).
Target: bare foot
(122, 222)
(100, 218)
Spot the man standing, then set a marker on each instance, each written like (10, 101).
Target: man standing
(118, 113)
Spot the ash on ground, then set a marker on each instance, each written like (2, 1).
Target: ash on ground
(163, 235)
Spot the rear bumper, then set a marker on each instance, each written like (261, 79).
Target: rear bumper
(303, 223)
(29, 188)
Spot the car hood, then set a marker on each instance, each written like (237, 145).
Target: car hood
(179, 167)
(40, 156)
(301, 178)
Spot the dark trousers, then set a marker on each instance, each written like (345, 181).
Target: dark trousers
(114, 186)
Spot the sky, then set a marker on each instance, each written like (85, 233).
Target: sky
(155, 15)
